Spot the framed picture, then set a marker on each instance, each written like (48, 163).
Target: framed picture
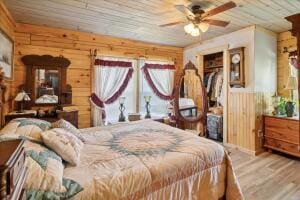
(6, 55)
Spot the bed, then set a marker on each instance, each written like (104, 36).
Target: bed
(150, 160)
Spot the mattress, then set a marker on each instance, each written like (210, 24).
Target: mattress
(150, 160)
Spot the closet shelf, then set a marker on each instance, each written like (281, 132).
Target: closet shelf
(208, 68)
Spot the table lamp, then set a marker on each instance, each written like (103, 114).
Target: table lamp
(291, 85)
(147, 100)
(21, 97)
(122, 108)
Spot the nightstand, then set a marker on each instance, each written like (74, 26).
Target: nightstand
(12, 170)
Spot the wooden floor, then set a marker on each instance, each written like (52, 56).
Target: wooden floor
(269, 176)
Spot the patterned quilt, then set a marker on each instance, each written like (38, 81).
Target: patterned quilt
(150, 160)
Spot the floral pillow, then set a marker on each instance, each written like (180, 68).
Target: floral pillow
(64, 143)
(28, 127)
(44, 172)
(69, 127)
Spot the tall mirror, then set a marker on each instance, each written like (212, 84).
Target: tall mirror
(190, 96)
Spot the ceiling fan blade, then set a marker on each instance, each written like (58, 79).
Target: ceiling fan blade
(216, 22)
(172, 24)
(185, 10)
(219, 9)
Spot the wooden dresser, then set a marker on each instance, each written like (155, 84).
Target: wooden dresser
(12, 170)
(282, 134)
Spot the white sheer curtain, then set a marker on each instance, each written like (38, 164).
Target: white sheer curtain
(111, 77)
(160, 76)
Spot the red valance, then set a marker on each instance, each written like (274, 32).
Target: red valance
(159, 66)
(112, 63)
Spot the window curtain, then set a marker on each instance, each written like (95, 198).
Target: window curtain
(160, 77)
(111, 76)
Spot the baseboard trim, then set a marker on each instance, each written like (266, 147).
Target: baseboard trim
(242, 149)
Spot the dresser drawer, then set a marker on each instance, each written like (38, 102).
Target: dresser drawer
(282, 125)
(282, 146)
(287, 136)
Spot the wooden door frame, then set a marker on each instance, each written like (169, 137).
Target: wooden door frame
(200, 66)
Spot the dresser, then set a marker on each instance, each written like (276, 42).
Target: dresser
(282, 134)
(12, 170)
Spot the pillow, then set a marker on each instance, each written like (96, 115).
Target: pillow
(64, 143)
(44, 172)
(69, 127)
(28, 127)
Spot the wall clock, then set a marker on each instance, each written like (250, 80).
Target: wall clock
(237, 67)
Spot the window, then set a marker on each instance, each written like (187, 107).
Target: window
(130, 93)
(137, 88)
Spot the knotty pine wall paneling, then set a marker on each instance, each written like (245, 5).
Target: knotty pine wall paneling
(74, 45)
(7, 24)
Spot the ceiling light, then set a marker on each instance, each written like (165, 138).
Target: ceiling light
(195, 32)
(189, 28)
(203, 26)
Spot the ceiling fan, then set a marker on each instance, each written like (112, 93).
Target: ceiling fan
(198, 18)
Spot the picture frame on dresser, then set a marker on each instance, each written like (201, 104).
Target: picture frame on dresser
(6, 55)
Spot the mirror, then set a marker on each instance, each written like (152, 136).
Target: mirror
(46, 86)
(190, 96)
(46, 81)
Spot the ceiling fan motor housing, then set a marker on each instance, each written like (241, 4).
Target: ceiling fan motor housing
(197, 9)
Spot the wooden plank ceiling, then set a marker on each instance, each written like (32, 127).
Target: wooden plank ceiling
(140, 19)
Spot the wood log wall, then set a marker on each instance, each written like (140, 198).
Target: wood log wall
(30, 39)
(285, 39)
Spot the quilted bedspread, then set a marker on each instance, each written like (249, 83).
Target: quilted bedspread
(150, 160)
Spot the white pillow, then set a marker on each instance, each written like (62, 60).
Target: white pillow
(69, 127)
(64, 143)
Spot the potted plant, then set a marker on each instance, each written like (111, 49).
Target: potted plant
(281, 106)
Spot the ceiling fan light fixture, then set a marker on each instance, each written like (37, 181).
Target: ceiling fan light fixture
(203, 26)
(195, 32)
(189, 28)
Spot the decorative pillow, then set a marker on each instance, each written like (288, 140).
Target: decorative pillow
(64, 143)
(44, 172)
(28, 127)
(69, 127)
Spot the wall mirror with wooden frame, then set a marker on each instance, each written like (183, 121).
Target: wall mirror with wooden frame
(190, 101)
(46, 80)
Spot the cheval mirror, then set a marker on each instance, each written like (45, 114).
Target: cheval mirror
(46, 80)
(190, 103)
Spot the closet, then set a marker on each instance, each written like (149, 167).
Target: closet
(213, 78)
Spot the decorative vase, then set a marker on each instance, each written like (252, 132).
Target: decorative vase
(289, 108)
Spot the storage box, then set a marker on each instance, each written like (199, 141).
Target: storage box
(215, 126)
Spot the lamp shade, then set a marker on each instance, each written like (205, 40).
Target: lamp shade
(203, 26)
(26, 97)
(22, 96)
(189, 28)
(195, 32)
(147, 99)
(291, 83)
(122, 100)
